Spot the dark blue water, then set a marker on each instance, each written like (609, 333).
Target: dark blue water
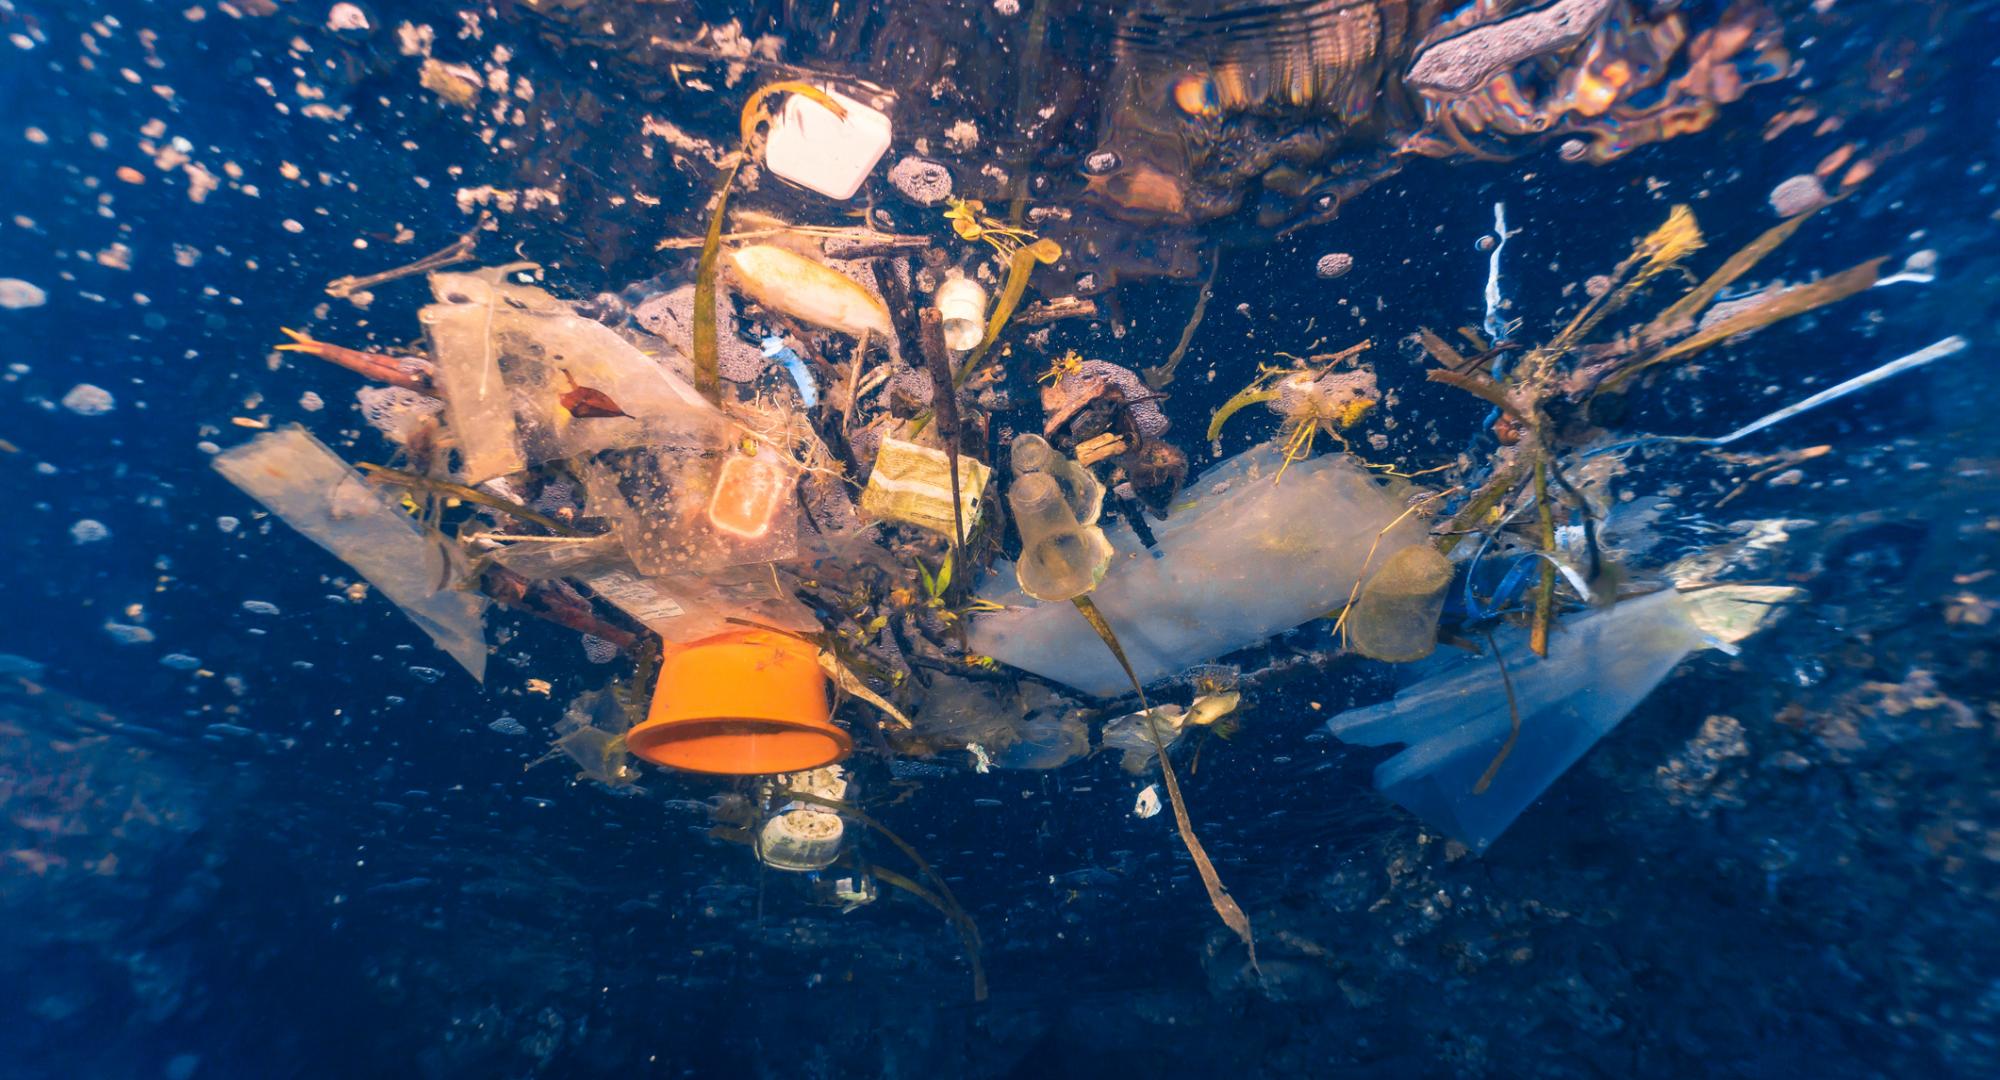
(303, 850)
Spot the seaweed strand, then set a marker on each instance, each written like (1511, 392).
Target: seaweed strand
(1225, 905)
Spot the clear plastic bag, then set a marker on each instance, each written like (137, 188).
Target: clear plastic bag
(1456, 720)
(1248, 559)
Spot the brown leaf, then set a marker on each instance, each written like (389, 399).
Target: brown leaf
(584, 402)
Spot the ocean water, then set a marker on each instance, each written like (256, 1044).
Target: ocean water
(256, 823)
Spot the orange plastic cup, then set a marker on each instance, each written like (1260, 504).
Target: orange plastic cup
(743, 703)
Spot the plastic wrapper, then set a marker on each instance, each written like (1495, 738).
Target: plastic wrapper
(911, 484)
(508, 354)
(315, 492)
(1455, 722)
(1248, 559)
(1045, 742)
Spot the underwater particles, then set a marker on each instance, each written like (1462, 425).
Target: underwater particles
(127, 633)
(89, 531)
(1798, 195)
(84, 399)
(921, 180)
(16, 294)
(1333, 264)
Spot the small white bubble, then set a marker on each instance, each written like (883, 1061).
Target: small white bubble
(89, 531)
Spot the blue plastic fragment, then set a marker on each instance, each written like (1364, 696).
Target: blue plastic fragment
(775, 347)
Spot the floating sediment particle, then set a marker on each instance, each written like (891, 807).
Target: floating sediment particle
(85, 399)
(89, 531)
(1333, 265)
(1798, 195)
(1462, 64)
(921, 180)
(455, 83)
(128, 633)
(348, 18)
(16, 294)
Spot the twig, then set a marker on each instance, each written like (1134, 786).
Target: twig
(1545, 595)
(458, 251)
(1159, 377)
(1513, 716)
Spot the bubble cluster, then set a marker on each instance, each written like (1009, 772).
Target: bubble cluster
(1333, 264)
(670, 317)
(84, 399)
(1101, 162)
(597, 650)
(921, 180)
(395, 411)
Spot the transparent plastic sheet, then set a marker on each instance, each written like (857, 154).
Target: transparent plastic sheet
(315, 492)
(683, 609)
(1455, 721)
(506, 354)
(1022, 726)
(664, 504)
(561, 557)
(1045, 742)
(1248, 559)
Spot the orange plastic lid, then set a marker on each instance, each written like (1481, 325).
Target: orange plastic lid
(742, 704)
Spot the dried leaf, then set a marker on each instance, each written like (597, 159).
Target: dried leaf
(1792, 302)
(584, 402)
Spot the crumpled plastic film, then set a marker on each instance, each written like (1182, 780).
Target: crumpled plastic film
(1248, 559)
(506, 354)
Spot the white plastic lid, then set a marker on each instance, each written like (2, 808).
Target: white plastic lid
(813, 148)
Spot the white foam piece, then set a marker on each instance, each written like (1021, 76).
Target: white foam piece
(813, 148)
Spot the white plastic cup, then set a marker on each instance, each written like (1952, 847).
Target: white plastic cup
(961, 303)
